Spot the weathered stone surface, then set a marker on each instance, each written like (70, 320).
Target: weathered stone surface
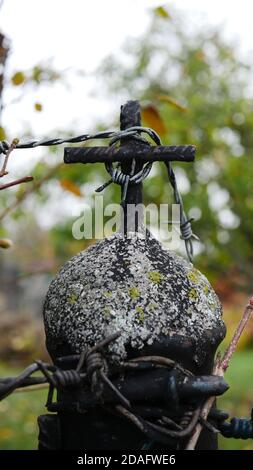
(132, 285)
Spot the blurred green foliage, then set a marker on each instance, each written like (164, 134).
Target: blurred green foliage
(18, 416)
(194, 89)
(201, 90)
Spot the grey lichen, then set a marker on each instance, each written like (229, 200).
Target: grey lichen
(134, 286)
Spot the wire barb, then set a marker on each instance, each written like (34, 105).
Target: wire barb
(185, 224)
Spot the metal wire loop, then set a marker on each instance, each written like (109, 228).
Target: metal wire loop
(94, 362)
(67, 378)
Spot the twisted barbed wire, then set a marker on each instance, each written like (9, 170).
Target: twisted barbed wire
(116, 174)
(114, 135)
(93, 372)
(185, 223)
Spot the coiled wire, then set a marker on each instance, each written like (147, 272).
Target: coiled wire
(67, 378)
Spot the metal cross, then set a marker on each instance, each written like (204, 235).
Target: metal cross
(134, 155)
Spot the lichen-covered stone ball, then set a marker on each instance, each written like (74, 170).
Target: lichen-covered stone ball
(132, 285)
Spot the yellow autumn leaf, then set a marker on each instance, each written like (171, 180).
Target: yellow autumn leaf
(161, 11)
(2, 133)
(71, 187)
(38, 107)
(18, 78)
(5, 243)
(200, 55)
(171, 101)
(152, 118)
(6, 433)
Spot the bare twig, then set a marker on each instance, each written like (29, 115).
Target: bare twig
(36, 185)
(3, 171)
(25, 179)
(220, 367)
(223, 363)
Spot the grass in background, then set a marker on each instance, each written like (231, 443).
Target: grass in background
(18, 417)
(19, 412)
(238, 400)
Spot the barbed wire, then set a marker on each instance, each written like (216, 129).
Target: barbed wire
(103, 385)
(107, 385)
(114, 135)
(117, 176)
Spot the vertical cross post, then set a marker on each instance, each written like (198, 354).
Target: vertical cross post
(130, 116)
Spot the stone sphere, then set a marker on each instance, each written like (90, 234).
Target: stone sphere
(135, 286)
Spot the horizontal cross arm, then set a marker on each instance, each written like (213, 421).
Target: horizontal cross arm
(179, 153)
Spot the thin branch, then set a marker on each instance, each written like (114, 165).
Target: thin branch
(219, 369)
(13, 145)
(36, 185)
(25, 179)
(224, 362)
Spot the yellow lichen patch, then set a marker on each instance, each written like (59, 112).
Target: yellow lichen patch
(193, 294)
(155, 277)
(140, 314)
(212, 305)
(151, 307)
(194, 276)
(72, 298)
(107, 312)
(134, 293)
(206, 289)
(108, 293)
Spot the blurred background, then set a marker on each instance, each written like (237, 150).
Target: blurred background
(65, 69)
